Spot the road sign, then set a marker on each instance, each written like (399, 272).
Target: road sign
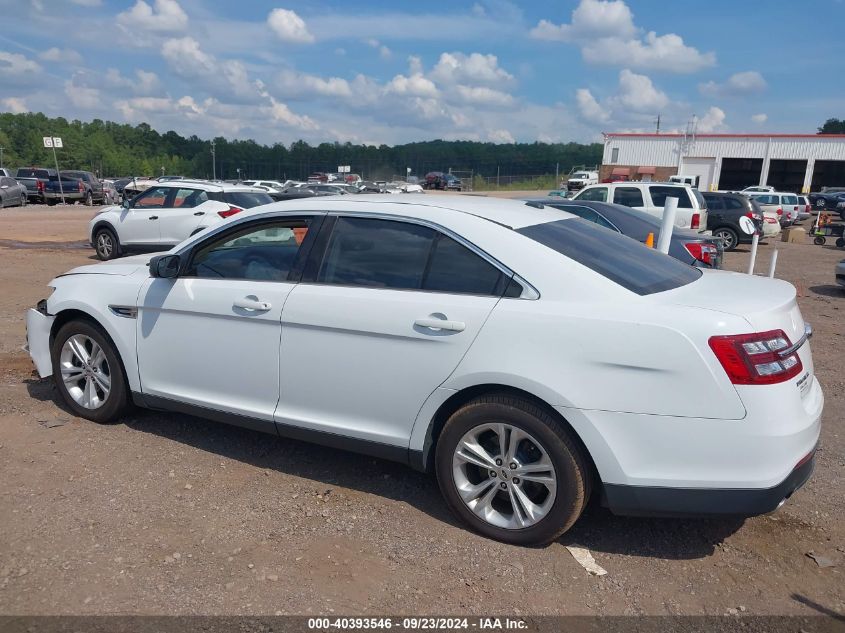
(48, 141)
(343, 169)
(57, 142)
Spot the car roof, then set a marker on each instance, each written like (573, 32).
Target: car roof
(514, 214)
(210, 186)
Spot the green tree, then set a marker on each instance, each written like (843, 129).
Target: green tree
(833, 126)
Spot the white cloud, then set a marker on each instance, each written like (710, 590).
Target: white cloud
(143, 83)
(712, 121)
(293, 84)
(759, 119)
(88, 3)
(12, 64)
(482, 95)
(739, 84)
(289, 27)
(82, 96)
(282, 114)
(591, 18)
(638, 93)
(15, 105)
(589, 108)
(472, 70)
(607, 35)
(415, 85)
(166, 16)
(61, 55)
(186, 58)
(500, 136)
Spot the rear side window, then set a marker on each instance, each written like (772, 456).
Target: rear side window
(793, 200)
(715, 203)
(660, 193)
(246, 199)
(629, 196)
(404, 256)
(733, 203)
(620, 259)
(767, 199)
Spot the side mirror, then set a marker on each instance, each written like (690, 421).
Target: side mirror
(125, 204)
(165, 266)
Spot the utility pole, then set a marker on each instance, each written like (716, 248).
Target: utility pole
(213, 162)
(238, 169)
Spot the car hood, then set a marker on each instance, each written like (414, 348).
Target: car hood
(122, 266)
(113, 207)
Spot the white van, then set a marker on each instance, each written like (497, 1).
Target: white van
(650, 197)
(680, 179)
(581, 179)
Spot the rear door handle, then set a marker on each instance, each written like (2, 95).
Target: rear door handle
(153, 217)
(251, 304)
(441, 324)
(200, 213)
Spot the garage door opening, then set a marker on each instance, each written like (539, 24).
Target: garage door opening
(787, 175)
(739, 173)
(828, 173)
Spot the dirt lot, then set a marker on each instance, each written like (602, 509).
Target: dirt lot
(170, 514)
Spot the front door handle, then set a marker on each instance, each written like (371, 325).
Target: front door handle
(441, 324)
(200, 213)
(153, 217)
(252, 304)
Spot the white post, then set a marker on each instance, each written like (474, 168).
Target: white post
(773, 263)
(670, 209)
(58, 174)
(754, 241)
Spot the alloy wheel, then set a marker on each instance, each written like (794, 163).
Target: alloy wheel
(727, 237)
(504, 475)
(105, 245)
(85, 371)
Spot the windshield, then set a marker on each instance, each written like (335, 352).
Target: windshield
(580, 174)
(620, 259)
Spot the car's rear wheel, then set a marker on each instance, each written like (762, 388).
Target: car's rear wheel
(510, 470)
(89, 199)
(106, 244)
(728, 236)
(88, 373)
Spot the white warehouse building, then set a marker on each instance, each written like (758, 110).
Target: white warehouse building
(789, 162)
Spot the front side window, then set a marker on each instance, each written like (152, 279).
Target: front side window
(659, 195)
(618, 258)
(596, 194)
(404, 256)
(628, 196)
(152, 198)
(262, 253)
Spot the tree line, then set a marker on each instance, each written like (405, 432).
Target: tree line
(115, 149)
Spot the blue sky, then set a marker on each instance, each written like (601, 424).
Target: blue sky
(392, 72)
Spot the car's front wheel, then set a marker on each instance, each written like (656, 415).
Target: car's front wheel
(88, 373)
(510, 470)
(821, 203)
(106, 245)
(728, 236)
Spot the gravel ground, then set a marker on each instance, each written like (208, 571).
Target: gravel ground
(170, 514)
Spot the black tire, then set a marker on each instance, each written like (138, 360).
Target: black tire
(106, 244)
(51, 203)
(840, 242)
(89, 199)
(821, 203)
(819, 241)
(572, 470)
(117, 400)
(730, 238)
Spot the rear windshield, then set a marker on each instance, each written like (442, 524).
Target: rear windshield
(32, 173)
(618, 258)
(247, 199)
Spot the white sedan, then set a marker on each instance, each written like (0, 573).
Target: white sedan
(526, 357)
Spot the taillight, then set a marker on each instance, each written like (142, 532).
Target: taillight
(780, 211)
(757, 359)
(696, 221)
(702, 252)
(228, 213)
(81, 188)
(806, 208)
(39, 184)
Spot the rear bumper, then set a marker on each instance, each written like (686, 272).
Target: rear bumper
(680, 502)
